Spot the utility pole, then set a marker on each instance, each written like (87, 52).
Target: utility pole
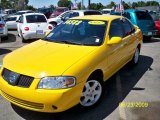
(89, 3)
(82, 5)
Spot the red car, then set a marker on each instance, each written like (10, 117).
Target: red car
(58, 11)
(156, 19)
(157, 24)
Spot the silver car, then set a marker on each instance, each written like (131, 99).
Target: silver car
(3, 28)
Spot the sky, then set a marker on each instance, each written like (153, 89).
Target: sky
(41, 3)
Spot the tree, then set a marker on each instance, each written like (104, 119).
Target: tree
(152, 3)
(111, 4)
(64, 3)
(141, 3)
(52, 6)
(96, 6)
(125, 5)
(30, 7)
(134, 5)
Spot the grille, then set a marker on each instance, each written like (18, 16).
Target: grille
(22, 80)
(22, 102)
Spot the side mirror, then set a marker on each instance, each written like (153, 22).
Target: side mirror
(114, 40)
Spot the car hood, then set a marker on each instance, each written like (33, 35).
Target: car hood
(43, 58)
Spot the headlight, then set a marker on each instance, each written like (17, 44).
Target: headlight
(56, 82)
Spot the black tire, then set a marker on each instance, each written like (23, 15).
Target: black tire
(147, 38)
(5, 37)
(97, 98)
(22, 38)
(135, 58)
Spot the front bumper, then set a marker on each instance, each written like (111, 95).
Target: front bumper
(39, 99)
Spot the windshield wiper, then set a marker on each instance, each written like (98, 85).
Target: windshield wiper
(69, 42)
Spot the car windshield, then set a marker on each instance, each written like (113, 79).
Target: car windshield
(35, 18)
(143, 16)
(11, 19)
(79, 32)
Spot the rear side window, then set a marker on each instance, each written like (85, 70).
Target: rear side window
(116, 29)
(127, 27)
(12, 19)
(92, 13)
(74, 14)
(143, 16)
(35, 18)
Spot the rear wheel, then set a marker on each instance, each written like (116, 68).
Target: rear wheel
(22, 38)
(92, 93)
(135, 58)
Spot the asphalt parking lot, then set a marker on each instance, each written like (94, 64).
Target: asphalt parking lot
(130, 85)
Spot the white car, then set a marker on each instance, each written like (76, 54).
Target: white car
(72, 13)
(107, 11)
(3, 28)
(33, 26)
(23, 12)
(11, 21)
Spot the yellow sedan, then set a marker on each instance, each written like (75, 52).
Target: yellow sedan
(69, 66)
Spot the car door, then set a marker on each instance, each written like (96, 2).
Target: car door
(19, 25)
(114, 51)
(129, 39)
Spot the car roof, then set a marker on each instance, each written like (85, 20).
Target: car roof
(33, 14)
(83, 10)
(14, 16)
(134, 10)
(98, 17)
(24, 10)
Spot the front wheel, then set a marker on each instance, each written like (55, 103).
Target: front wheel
(92, 93)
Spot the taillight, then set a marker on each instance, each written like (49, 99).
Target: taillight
(50, 27)
(2, 25)
(26, 28)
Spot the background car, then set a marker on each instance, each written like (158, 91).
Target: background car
(23, 12)
(58, 11)
(142, 19)
(3, 28)
(10, 11)
(3, 14)
(46, 11)
(33, 26)
(156, 19)
(107, 11)
(72, 13)
(11, 21)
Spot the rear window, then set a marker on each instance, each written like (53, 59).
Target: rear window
(92, 13)
(35, 18)
(12, 19)
(143, 16)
